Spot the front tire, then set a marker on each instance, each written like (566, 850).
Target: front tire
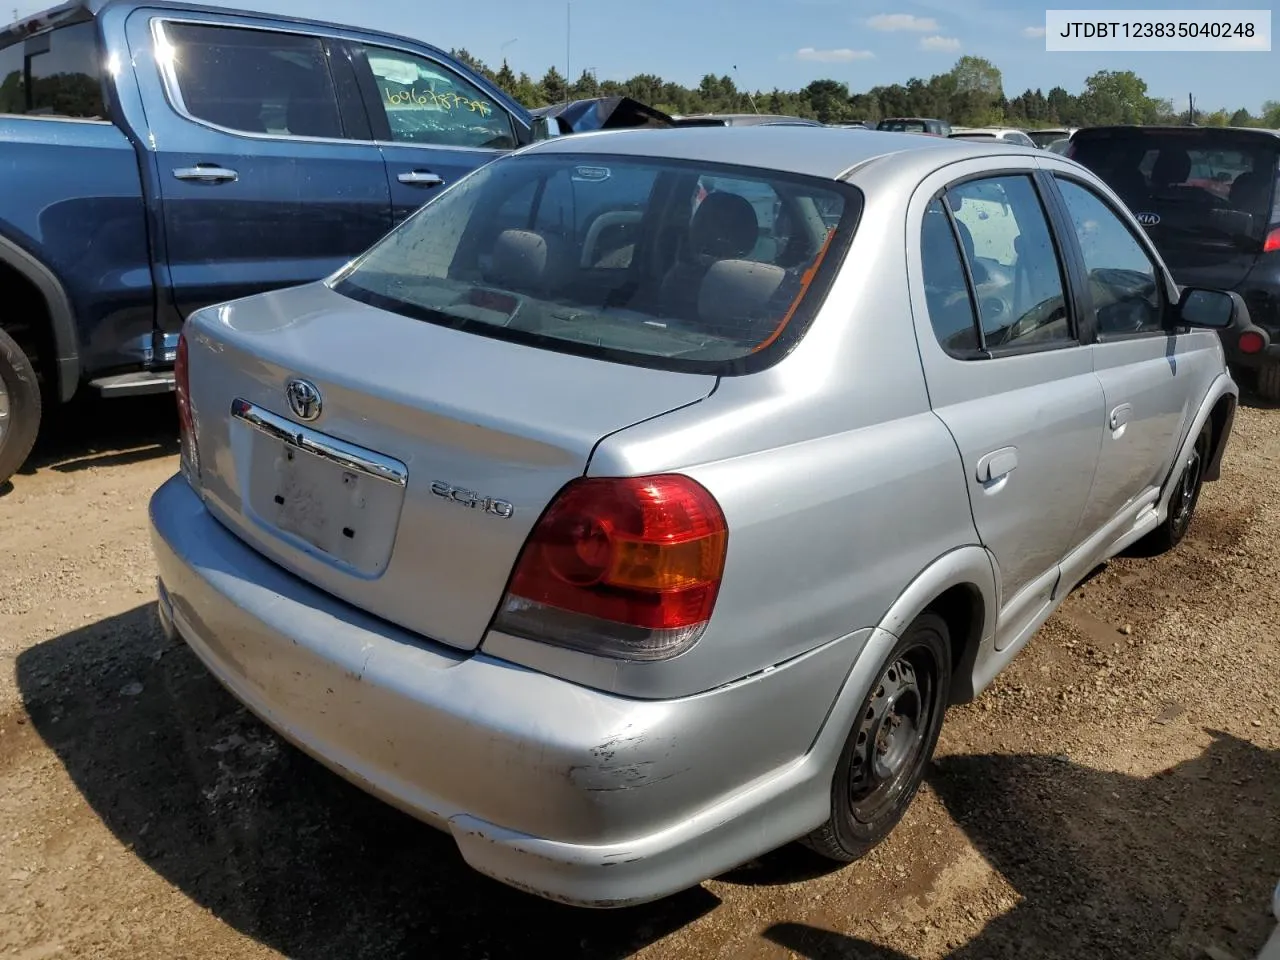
(1186, 494)
(19, 407)
(891, 744)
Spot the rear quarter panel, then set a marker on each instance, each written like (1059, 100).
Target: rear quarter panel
(838, 483)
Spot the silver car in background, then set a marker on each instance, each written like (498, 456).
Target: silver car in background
(641, 503)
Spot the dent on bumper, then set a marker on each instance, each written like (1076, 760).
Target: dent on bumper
(567, 792)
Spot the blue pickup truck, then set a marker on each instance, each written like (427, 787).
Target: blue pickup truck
(159, 157)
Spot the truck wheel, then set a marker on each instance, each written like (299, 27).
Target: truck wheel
(1269, 382)
(891, 743)
(19, 407)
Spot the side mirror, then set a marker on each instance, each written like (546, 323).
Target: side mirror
(1212, 309)
(544, 128)
(1226, 312)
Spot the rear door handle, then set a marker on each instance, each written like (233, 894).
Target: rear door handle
(420, 178)
(997, 464)
(206, 173)
(1120, 416)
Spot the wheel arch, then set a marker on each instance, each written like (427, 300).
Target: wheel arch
(1217, 409)
(64, 370)
(961, 587)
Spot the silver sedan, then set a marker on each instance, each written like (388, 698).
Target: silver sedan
(641, 503)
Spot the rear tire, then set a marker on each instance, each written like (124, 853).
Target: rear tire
(1182, 504)
(19, 407)
(1269, 382)
(891, 744)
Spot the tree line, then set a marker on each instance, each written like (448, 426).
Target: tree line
(971, 93)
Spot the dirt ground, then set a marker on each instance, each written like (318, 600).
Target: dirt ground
(1113, 795)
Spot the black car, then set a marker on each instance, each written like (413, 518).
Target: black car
(1208, 198)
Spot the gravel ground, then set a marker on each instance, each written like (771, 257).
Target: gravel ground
(1112, 795)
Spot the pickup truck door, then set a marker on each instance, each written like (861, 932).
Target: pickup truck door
(264, 165)
(432, 123)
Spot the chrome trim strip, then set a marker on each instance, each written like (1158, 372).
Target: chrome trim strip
(346, 455)
(173, 91)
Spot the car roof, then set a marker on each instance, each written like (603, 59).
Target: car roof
(826, 152)
(74, 10)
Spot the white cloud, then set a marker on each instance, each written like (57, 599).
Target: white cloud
(902, 21)
(841, 55)
(939, 43)
(1033, 33)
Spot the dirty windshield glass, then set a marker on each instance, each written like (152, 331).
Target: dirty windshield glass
(659, 262)
(1216, 187)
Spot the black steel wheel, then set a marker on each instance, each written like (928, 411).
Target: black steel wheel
(1186, 494)
(891, 743)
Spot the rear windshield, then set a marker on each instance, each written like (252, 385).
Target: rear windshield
(661, 263)
(903, 126)
(1043, 138)
(1217, 187)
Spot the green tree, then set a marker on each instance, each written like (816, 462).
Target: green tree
(554, 87)
(1271, 114)
(529, 93)
(1242, 118)
(979, 90)
(1119, 96)
(464, 56)
(828, 99)
(506, 79)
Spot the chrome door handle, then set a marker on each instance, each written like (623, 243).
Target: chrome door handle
(206, 173)
(1120, 416)
(997, 464)
(420, 178)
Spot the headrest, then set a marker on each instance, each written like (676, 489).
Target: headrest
(737, 293)
(526, 260)
(724, 227)
(1171, 167)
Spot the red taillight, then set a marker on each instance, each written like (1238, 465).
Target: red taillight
(188, 449)
(181, 387)
(1251, 342)
(1272, 243)
(622, 567)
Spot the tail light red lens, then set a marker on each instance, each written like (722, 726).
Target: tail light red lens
(621, 567)
(181, 387)
(1272, 243)
(1251, 342)
(188, 451)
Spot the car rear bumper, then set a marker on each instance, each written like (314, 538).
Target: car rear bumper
(563, 791)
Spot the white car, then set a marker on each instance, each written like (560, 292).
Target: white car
(1049, 135)
(1007, 134)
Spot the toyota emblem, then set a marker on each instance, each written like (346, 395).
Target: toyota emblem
(304, 399)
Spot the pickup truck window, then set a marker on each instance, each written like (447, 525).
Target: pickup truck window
(255, 81)
(429, 104)
(65, 74)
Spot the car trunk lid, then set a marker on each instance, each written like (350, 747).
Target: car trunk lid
(431, 454)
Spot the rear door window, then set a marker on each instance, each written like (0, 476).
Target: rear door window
(427, 103)
(54, 74)
(1013, 261)
(255, 81)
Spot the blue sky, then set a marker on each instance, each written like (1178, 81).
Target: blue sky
(788, 43)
